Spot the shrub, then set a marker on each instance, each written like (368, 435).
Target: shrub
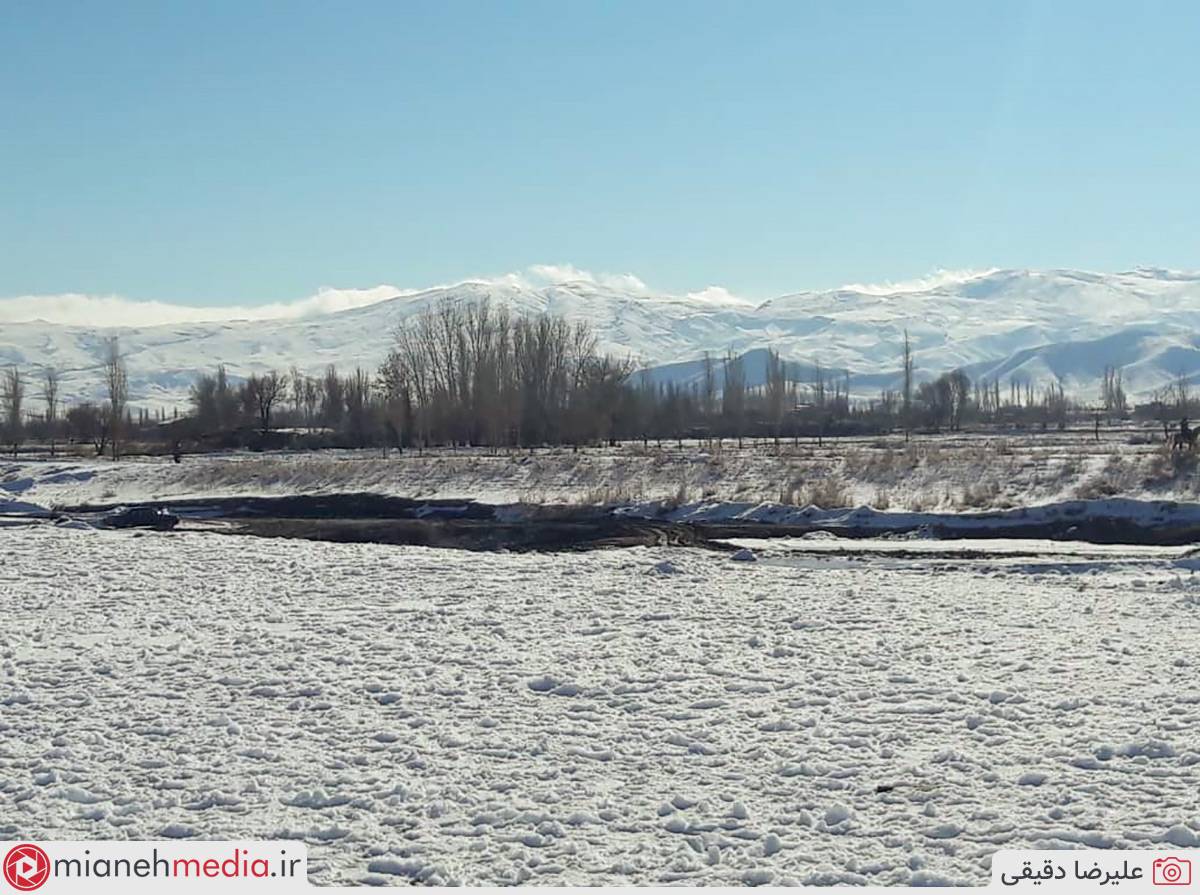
(828, 493)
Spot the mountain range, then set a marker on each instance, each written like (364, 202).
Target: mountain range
(1039, 326)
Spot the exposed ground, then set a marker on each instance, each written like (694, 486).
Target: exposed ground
(944, 473)
(889, 711)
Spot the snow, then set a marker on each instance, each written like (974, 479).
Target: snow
(1035, 325)
(953, 472)
(435, 716)
(1157, 513)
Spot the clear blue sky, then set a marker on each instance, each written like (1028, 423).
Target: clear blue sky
(237, 152)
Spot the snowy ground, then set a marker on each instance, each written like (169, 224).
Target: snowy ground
(950, 472)
(609, 717)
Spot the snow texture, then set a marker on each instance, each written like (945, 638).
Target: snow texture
(625, 716)
(943, 473)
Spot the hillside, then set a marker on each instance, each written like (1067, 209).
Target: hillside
(1038, 325)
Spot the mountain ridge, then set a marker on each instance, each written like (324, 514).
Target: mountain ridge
(1041, 325)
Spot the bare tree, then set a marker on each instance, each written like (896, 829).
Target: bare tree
(708, 395)
(116, 381)
(937, 399)
(733, 395)
(312, 398)
(12, 397)
(1112, 393)
(960, 394)
(464, 372)
(357, 389)
(226, 400)
(205, 405)
(818, 384)
(264, 392)
(50, 400)
(87, 422)
(1054, 405)
(50, 382)
(333, 398)
(907, 393)
(776, 391)
(296, 388)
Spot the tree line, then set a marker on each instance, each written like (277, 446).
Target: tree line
(474, 373)
(104, 424)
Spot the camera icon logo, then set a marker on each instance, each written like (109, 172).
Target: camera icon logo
(1172, 871)
(26, 867)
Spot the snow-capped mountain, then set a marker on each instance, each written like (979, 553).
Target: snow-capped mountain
(1064, 325)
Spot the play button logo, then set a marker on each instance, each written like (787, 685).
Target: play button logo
(26, 867)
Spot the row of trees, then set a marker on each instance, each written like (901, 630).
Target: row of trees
(103, 424)
(474, 373)
(457, 374)
(471, 373)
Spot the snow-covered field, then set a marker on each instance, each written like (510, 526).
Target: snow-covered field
(947, 473)
(642, 715)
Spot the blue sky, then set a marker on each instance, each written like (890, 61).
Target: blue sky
(218, 153)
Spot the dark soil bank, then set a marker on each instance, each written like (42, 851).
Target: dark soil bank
(468, 525)
(473, 534)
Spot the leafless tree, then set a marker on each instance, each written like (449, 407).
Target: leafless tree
(203, 398)
(357, 389)
(50, 382)
(296, 389)
(934, 399)
(776, 392)
(116, 381)
(312, 399)
(1112, 393)
(264, 392)
(818, 384)
(87, 422)
(333, 398)
(12, 397)
(733, 395)
(907, 392)
(708, 394)
(959, 385)
(466, 372)
(1055, 405)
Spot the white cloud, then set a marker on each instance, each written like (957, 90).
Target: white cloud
(79, 309)
(718, 295)
(558, 274)
(938, 279)
(114, 310)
